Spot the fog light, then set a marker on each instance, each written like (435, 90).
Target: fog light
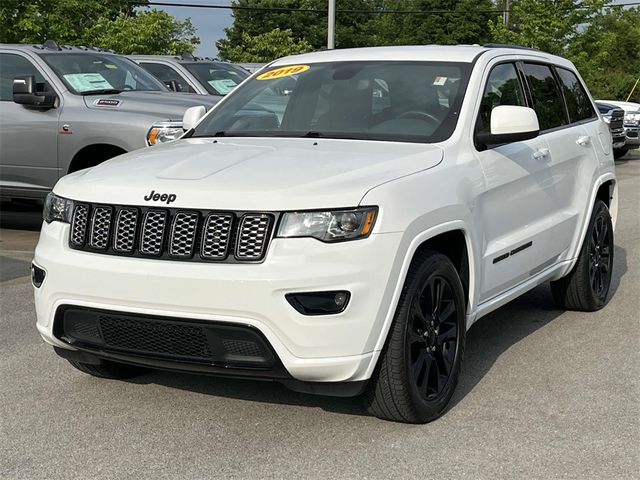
(37, 275)
(319, 303)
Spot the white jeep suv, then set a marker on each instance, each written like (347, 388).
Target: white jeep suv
(337, 223)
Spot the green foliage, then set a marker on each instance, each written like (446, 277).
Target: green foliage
(146, 33)
(465, 24)
(265, 47)
(602, 42)
(452, 22)
(607, 54)
(548, 25)
(118, 24)
(352, 29)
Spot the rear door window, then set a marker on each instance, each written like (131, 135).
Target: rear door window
(578, 103)
(547, 99)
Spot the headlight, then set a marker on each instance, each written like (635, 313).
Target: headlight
(162, 132)
(57, 209)
(329, 226)
(637, 117)
(606, 119)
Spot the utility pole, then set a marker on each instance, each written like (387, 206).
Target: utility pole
(331, 25)
(505, 14)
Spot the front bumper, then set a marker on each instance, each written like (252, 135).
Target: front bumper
(321, 348)
(632, 135)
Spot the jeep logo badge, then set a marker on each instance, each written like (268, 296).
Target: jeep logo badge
(163, 197)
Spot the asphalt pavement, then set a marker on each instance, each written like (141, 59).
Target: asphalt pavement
(544, 394)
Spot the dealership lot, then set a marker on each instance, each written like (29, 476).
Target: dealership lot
(544, 394)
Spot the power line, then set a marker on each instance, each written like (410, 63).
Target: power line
(375, 12)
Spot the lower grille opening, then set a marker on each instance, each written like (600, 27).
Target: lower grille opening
(163, 338)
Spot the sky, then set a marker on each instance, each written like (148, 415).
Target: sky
(209, 22)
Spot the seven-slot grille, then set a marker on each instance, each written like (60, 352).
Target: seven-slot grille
(171, 234)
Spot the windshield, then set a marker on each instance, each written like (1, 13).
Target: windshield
(87, 73)
(217, 78)
(397, 101)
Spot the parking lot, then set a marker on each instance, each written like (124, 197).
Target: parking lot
(544, 394)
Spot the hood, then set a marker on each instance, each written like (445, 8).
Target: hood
(250, 173)
(163, 105)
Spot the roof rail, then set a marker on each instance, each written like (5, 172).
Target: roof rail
(507, 45)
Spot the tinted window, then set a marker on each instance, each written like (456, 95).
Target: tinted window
(398, 101)
(166, 74)
(503, 88)
(578, 102)
(217, 77)
(547, 100)
(10, 67)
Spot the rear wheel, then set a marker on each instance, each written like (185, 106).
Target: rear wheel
(586, 287)
(419, 367)
(108, 369)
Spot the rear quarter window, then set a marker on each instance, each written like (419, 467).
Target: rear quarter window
(578, 103)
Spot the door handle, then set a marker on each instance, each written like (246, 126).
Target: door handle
(584, 141)
(541, 153)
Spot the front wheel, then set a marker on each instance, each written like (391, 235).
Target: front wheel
(419, 366)
(586, 287)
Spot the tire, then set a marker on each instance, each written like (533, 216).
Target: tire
(106, 369)
(586, 287)
(407, 385)
(620, 152)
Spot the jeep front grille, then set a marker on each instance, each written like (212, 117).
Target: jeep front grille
(172, 234)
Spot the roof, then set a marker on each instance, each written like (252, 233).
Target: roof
(442, 53)
(61, 49)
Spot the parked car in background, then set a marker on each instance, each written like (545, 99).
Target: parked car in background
(63, 109)
(344, 242)
(631, 124)
(614, 117)
(189, 74)
(251, 67)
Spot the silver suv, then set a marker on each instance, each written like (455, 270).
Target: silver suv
(190, 74)
(67, 108)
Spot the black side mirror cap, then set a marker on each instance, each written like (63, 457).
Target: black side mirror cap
(25, 93)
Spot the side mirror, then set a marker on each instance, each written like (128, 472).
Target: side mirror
(172, 85)
(25, 93)
(192, 116)
(510, 123)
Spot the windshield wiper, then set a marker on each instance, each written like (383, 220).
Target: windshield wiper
(101, 91)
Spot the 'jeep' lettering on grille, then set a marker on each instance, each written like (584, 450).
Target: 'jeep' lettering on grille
(162, 197)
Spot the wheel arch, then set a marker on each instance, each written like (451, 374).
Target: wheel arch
(444, 239)
(605, 188)
(92, 155)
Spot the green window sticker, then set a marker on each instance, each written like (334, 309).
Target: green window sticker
(223, 86)
(85, 82)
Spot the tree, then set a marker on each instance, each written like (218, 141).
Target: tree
(548, 25)
(607, 55)
(266, 47)
(352, 29)
(119, 24)
(448, 22)
(144, 34)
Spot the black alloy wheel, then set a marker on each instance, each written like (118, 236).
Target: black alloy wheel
(420, 363)
(600, 258)
(432, 337)
(586, 287)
